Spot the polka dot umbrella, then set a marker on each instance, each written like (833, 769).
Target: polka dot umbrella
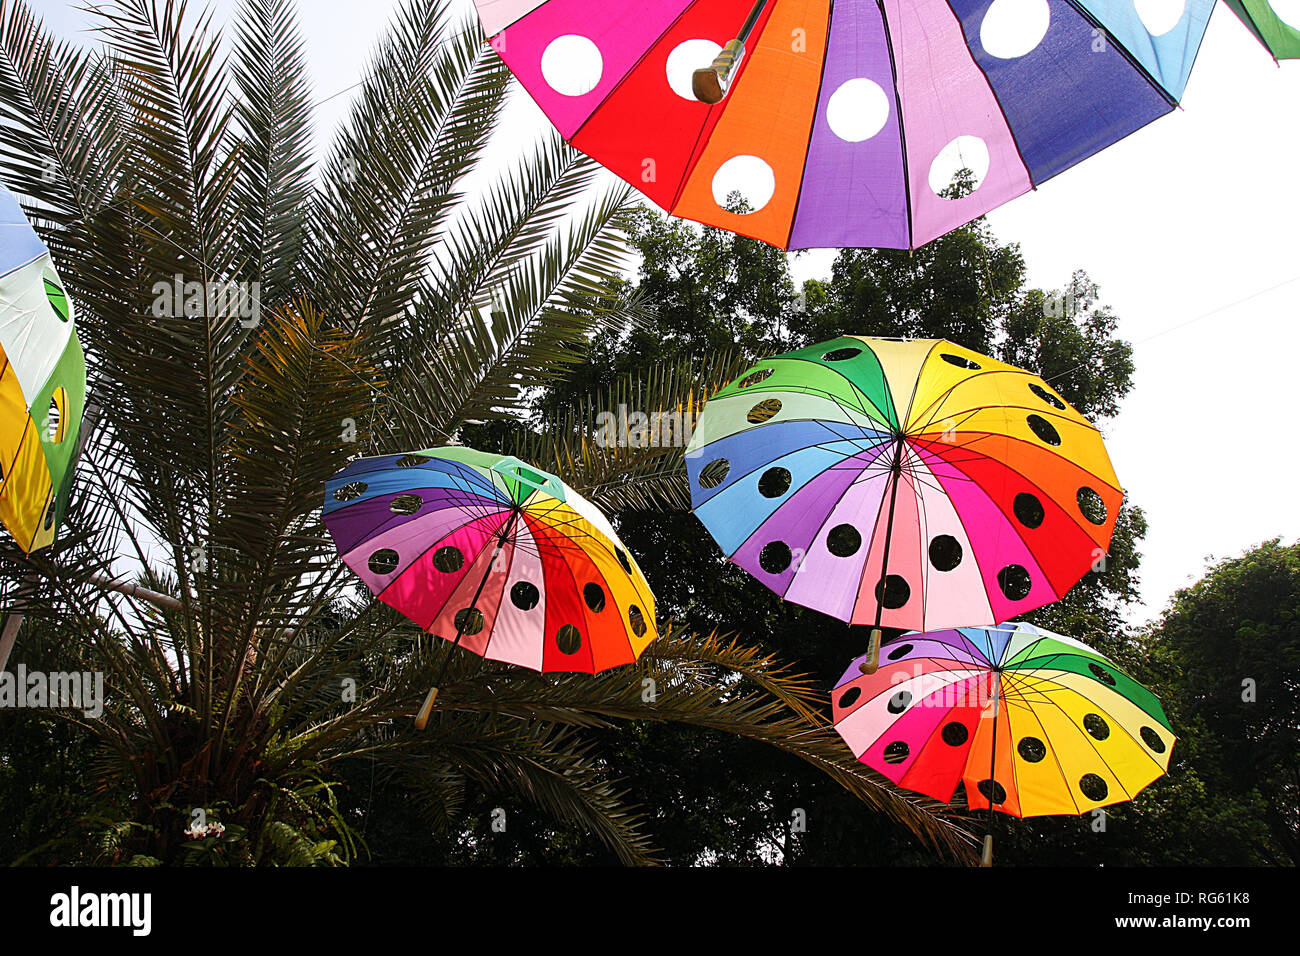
(42, 384)
(1275, 23)
(843, 123)
(1029, 722)
(492, 554)
(903, 484)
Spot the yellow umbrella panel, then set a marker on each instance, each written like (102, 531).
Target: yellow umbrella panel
(42, 384)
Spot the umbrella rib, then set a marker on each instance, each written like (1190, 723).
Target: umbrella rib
(985, 436)
(419, 556)
(794, 451)
(617, 86)
(916, 382)
(572, 544)
(1111, 665)
(988, 597)
(473, 604)
(964, 672)
(825, 521)
(934, 406)
(896, 70)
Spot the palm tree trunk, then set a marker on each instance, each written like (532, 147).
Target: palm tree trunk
(14, 620)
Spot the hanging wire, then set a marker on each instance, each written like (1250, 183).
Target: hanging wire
(1192, 321)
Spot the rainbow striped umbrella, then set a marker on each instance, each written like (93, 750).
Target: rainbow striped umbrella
(904, 484)
(502, 558)
(42, 384)
(842, 123)
(1275, 23)
(1032, 721)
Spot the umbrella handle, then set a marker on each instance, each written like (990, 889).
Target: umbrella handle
(710, 84)
(872, 662)
(986, 857)
(422, 718)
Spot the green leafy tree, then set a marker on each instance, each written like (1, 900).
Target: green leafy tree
(1226, 657)
(966, 286)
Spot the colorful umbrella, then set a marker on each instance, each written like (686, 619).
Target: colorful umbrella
(500, 557)
(1275, 23)
(905, 484)
(42, 384)
(1032, 721)
(843, 122)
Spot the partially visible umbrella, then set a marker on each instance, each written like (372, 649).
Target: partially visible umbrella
(497, 556)
(842, 123)
(42, 384)
(1275, 23)
(1031, 723)
(903, 484)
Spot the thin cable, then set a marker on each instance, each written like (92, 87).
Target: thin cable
(1194, 320)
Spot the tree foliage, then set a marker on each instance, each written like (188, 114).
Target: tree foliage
(713, 297)
(394, 311)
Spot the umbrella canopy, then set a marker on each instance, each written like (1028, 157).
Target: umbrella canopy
(845, 122)
(905, 484)
(1275, 23)
(499, 556)
(1041, 723)
(42, 384)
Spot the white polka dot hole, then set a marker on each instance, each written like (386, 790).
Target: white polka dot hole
(857, 110)
(572, 65)
(749, 176)
(1014, 28)
(1288, 11)
(964, 152)
(1160, 16)
(684, 60)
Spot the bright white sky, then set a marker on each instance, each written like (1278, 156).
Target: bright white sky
(1189, 227)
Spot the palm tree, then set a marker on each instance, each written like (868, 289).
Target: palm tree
(403, 289)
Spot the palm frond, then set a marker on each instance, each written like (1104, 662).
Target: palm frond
(422, 116)
(538, 321)
(695, 681)
(548, 766)
(60, 141)
(406, 292)
(274, 114)
(624, 446)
